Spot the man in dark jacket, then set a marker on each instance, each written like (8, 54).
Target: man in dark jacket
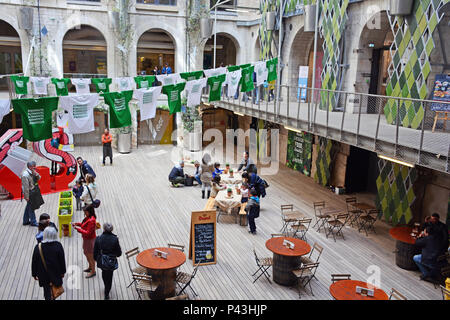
(85, 168)
(107, 244)
(442, 232)
(53, 270)
(176, 176)
(247, 164)
(426, 261)
(252, 210)
(254, 181)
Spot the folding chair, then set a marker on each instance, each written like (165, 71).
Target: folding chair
(176, 246)
(320, 218)
(367, 220)
(396, 295)
(352, 211)
(136, 269)
(285, 220)
(144, 283)
(304, 275)
(184, 279)
(301, 226)
(263, 265)
(317, 251)
(335, 225)
(445, 293)
(338, 277)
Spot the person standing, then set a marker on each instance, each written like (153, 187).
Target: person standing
(107, 149)
(255, 181)
(48, 264)
(252, 210)
(44, 222)
(77, 191)
(107, 244)
(89, 190)
(166, 69)
(247, 164)
(87, 229)
(85, 168)
(30, 178)
(206, 174)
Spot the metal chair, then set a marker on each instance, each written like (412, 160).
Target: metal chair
(445, 293)
(263, 265)
(367, 221)
(338, 277)
(396, 295)
(134, 269)
(335, 225)
(184, 279)
(144, 283)
(320, 218)
(352, 211)
(301, 226)
(304, 275)
(176, 246)
(285, 220)
(316, 250)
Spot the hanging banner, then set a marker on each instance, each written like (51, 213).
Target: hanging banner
(441, 92)
(299, 151)
(302, 83)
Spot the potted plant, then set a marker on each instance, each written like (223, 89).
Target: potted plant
(65, 213)
(238, 189)
(229, 192)
(231, 173)
(227, 168)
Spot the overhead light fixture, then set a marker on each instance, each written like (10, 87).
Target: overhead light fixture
(239, 114)
(396, 161)
(371, 45)
(293, 129)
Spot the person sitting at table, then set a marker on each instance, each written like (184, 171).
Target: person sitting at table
(216, 186)
(252, 210)
(427, 260)
(176, 176)
(244, 192)
(217, 170)
(247, 164)
(197, 172)
(442, 231)
(254, 181)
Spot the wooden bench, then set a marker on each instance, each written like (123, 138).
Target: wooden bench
(209, 204)
(243, 215)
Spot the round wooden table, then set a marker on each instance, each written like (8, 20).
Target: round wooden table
(346, 290)
(285, 260)
(405, 247)
(163, 271)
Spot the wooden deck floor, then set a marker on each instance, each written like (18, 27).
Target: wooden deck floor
(146, 212)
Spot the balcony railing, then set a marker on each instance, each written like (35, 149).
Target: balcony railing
(419, 146)
(159, 2)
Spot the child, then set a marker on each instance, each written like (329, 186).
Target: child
(217, 170)
(77, 192)
(216, 186)
(244, 192)
(252, 210)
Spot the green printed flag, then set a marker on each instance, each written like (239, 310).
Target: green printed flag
(36, 116)
(144, 81)
(20, 84)
(233, 68)
(119, 111)
(61, 86)
(101, 84)
(173, 96)
(189, 76)
(215, 87)
(247, 79)
(272, 68)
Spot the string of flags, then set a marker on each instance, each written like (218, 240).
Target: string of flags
(36, 113)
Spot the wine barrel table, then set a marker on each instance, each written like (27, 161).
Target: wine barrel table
(285, 260)
(346, 290)
(163, 271)
(405, 247)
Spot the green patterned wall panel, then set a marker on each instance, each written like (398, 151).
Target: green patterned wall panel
(410, 65)
(395, 191)
(324, 161)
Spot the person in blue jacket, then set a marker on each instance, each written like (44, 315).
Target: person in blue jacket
(255, 181)
(217, 170)
(85, 168)
(176, 175)
(252, 210)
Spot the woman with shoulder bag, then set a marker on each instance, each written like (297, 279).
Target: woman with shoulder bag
(90, 191)
(87, 229)
(106, 251)
(48, 264)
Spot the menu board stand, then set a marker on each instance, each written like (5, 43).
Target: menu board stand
(202, 240)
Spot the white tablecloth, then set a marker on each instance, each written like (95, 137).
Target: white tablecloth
(225, 203)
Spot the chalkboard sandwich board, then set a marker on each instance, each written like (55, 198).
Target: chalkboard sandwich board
(202, 242)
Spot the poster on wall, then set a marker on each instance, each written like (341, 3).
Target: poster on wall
(299, 151)
(441, 92)
(302, 82)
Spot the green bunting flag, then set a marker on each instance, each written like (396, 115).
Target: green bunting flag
(61, 86)
(173, 96)
(272, 68)
(101, 84)
(144, 81)
(20, 84)
(189, 76)
(119, 111)
(36, 116)
(247, 79)
(215, 87)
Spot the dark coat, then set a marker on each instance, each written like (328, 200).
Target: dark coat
(85, 168)
(56, 264)
(442, 233)
(177, 171)
(256, 182)
(77, 192)
(252, 208)
(108, 243)
(430, 248)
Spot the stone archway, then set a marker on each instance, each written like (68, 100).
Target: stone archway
(10, 52)
(226, 51)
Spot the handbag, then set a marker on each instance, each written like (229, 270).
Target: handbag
(56, 290)
(107, 262)
(96, 202)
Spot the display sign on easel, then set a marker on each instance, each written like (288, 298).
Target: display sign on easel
(202, 241)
